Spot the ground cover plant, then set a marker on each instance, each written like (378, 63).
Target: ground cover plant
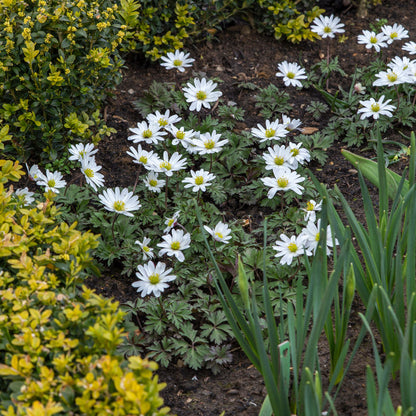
(190, 153)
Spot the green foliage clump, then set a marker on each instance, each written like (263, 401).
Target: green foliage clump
(159, 27)
(57, 343)
(58, 62)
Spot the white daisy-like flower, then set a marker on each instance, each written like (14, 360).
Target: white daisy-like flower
(146, 250)
(90, 169)
(411, 71)
(181, 136)
(168, 165)
(201, 94)
(208, 143)
(81, 152)
(220, 233)
(164, 120)
(311, 235)
(171, 222)
(143, 157)
(389, 78)
(273, 131)
(325, 26)
(199, 180)
(151, 133)
(400, 63)
(373, 40)
(277, 156)
(292, 73)
(25, 195)
(311, 209)
(289, 248)
(395, 32)
(375, 109)
(298, 155)
(410, 47)
(34, 173)
(121, 202)
(153, 279)
(284, 180)
(174, 244)
(153, 183)
(178, 60)
(290, 124)
(52, 181)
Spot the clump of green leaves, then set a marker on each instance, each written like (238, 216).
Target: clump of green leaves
(58, 63)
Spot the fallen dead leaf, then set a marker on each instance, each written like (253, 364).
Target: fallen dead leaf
(309, 130)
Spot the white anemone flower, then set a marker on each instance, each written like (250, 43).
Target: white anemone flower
(171, 164)
(178, 60)
(90, 169)
(143, 157)
(298, 155)
(395, 32)
(277, 156)
(208, 143)
(174, 244)
(327, 26)
(120, 202)
(164, 120)
(375, 109)
(410, 47)
(171, 222)
(312, 207)
(34, 173)
(220, 233)
(284, 180)
(146, 250)
(292, 73)
(373, 40)
(400, 63)
(181, 135)
(151, 133)
(52, 181)
(25, 195)
(290, 124)
(391, 77)
(201, 94)
(199, 180)
(153, 279)
(289, 248)
(273, 131)
(153, 183)
(311, 235)
(81, 152)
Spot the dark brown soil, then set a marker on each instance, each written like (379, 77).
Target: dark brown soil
(240, 54)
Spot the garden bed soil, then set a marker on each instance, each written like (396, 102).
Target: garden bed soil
(239, 54)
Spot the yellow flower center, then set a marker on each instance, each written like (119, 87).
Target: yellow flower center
(392, 77)
(170, 222)
(89, 173)
(269, 133)
(393, 35)
(51, 183)
(282, 182)
(147, 134)
(294, 151)
(373, 39)
(290, 75)
(163, 122)
(293, 248)
(154, 279)
(201, 95)
(199, 180)
(180, 135)
(210, 144)
(327, 29)
(153, 182)
(166, 165)
(279, 160)
(146, 249)
(317, 237)
(219, 235)
(177, 62)
(375, 107)
(310, 206)
(176, 245)
(143, 159)
(119, 205)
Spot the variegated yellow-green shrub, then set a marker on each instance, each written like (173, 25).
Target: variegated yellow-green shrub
(58, 341)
